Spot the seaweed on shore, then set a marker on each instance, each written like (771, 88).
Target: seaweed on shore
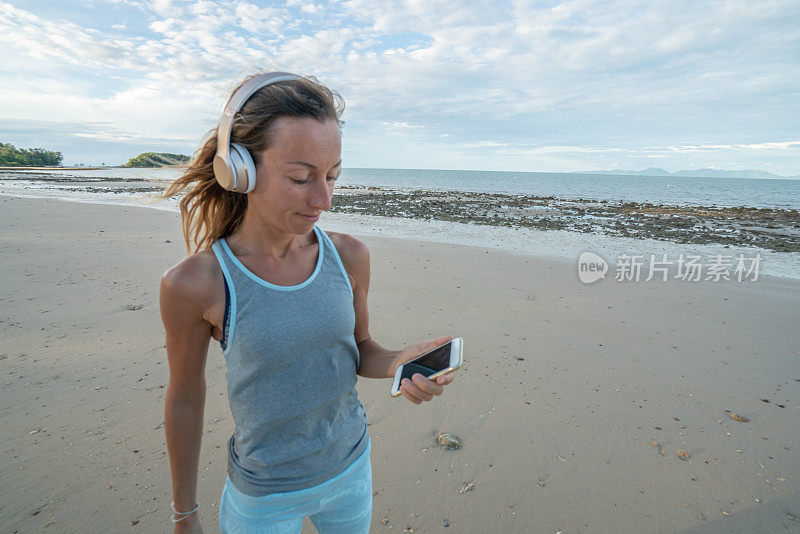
(771, 229)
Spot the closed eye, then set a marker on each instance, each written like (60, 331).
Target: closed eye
(300, 182)
(329, 178)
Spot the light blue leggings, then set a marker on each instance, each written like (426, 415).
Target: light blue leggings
(342, 505)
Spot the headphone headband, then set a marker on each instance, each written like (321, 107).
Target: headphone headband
(233, 165)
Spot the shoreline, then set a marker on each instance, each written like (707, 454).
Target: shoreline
(55, 168)
(564, 245)
(78, 168)
(773, 229)
(540, 226)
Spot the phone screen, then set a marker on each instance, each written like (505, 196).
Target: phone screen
(428, 364)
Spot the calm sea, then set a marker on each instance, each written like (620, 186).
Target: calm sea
(655, 189)
(676, 190)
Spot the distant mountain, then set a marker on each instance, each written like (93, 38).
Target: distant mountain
(698, 173)
(156, 159)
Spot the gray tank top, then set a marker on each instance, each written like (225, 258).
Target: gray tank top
(291, 370)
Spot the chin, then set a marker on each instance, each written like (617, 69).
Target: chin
(302, 228)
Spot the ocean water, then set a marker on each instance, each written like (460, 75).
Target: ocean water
(677, 190)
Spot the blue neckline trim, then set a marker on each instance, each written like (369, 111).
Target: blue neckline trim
(263, 282)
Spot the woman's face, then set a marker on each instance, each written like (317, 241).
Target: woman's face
(296, 175)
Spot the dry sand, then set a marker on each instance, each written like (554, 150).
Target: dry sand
(565, 390)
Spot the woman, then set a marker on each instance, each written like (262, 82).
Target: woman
(288, 304)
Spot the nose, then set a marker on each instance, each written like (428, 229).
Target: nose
(321, 194)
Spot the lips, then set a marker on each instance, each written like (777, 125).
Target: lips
(309, 217)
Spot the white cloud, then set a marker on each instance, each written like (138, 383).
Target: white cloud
(555, 149)
(45, 40)
(784, 145)
(257, 19)
(165, 8)
(578, 79)
(484, 144)
(403, 126)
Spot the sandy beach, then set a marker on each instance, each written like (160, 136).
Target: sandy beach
(581, 408)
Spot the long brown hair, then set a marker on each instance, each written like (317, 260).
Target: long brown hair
(209, 212)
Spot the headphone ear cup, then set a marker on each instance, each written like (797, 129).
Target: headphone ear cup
(244, 167)
(223, 172)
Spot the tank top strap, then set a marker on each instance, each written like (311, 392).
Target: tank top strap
(334, 258)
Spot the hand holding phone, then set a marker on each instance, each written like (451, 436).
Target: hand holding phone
(437, 361)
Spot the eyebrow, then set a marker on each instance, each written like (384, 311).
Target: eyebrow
(309, 165)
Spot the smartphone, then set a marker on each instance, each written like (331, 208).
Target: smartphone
(439, 361)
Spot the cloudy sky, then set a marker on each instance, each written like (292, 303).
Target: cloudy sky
(519, 85)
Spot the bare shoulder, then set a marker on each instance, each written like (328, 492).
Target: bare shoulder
(197, 279)
(354, 253)
(355, 258)
(190, 300)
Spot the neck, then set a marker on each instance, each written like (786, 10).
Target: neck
(256, 236)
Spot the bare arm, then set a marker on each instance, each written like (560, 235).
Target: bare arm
(187, 336)
(377, 361)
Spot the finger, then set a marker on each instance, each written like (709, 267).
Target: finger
(425, 384)
(418, 349)
(414, 389)
(445, 379)
(409, 396)
(425, 346)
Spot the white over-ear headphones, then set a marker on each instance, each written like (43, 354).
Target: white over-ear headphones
(233, 165)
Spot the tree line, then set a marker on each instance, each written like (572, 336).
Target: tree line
(39, 157)
(28, 157)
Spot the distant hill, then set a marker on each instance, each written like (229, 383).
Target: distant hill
(156, 159)
(28, 157)
(698, 173)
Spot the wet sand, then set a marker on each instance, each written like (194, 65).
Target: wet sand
(573, 406)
